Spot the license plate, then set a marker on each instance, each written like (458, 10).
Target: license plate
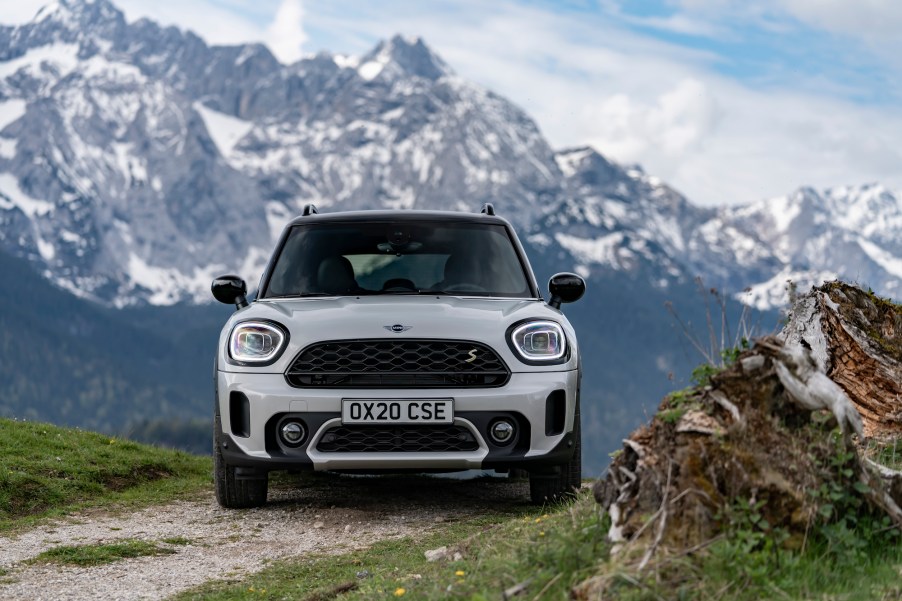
(413, 411)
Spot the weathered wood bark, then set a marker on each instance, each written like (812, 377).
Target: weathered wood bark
(857, 339)
(763, 432)
(730, 440)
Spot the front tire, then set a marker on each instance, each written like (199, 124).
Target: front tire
(233, 492)
(564, 485)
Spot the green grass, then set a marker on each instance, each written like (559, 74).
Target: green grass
(47, 471)
(100, 553)
(548, 553)
(178, 540)
(549, 550)
(728, 569)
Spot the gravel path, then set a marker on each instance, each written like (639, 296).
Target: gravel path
(324, 514)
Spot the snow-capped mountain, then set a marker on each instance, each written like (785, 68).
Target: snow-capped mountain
(852, 232)
(137, 162)
(620, 219)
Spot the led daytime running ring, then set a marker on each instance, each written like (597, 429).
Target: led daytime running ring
(248, 334)
(544, 333)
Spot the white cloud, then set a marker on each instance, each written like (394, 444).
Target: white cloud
(216, 22)
(862, 18)
(638, 99)
(285, 36)
(873, 25)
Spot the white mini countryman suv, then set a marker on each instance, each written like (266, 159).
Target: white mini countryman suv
(393, 341)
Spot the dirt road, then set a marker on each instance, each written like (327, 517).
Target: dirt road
(322, 514)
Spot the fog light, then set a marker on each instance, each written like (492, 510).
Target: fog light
(293, 433)
(502, 431)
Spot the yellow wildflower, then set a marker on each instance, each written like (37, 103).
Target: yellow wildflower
(460, 573)
(399, 592)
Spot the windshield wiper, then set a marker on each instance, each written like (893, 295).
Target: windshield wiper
(301, 295)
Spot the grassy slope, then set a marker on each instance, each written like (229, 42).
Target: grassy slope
(46, 470)
(551, 548)
(547, 554)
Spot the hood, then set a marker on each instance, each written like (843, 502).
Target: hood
(444, 317)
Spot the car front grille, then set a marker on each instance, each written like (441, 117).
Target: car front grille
(397, 439)
(397, 364)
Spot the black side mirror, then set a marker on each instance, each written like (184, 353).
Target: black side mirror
(230, 289)
(565, 288)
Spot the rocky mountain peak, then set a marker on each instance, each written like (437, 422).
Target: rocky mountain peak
(403, 56)
(106, 126)
(79, 13)
(588, 167)
(90, 24)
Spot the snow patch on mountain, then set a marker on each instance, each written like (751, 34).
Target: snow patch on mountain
(166, 284)
(132, 167)
(45, 249)
(98, 67)
(889, 262)
(775, 291)
(56, 60)
(7, 148)
(607, 250)
(16, 198)
(225, 130)
(371, 69)
(783, 211)
(11, 110)
(568, 162)
(346, 61)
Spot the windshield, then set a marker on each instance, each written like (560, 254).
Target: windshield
(337, 259)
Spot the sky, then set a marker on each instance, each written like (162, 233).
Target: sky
(728, 101)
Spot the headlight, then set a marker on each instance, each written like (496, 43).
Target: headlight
(256, 342)
(539, 341)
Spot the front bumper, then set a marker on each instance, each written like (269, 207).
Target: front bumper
(250, 405)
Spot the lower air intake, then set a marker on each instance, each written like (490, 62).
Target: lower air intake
(397, 439)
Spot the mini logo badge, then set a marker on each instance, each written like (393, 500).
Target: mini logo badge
(397, 328)
(472, 356)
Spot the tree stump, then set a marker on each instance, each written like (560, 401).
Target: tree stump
(766, 433)
(856, 338)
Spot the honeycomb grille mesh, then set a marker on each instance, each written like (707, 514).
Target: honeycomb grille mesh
(397, 364)
(397, 439)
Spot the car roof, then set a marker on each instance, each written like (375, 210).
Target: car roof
(399, 215)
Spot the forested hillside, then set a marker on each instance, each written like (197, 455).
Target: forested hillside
(73, 362)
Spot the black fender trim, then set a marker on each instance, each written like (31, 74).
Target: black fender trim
(250, 466)
(550, 461)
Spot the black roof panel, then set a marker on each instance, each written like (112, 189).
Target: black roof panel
(399, 215)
